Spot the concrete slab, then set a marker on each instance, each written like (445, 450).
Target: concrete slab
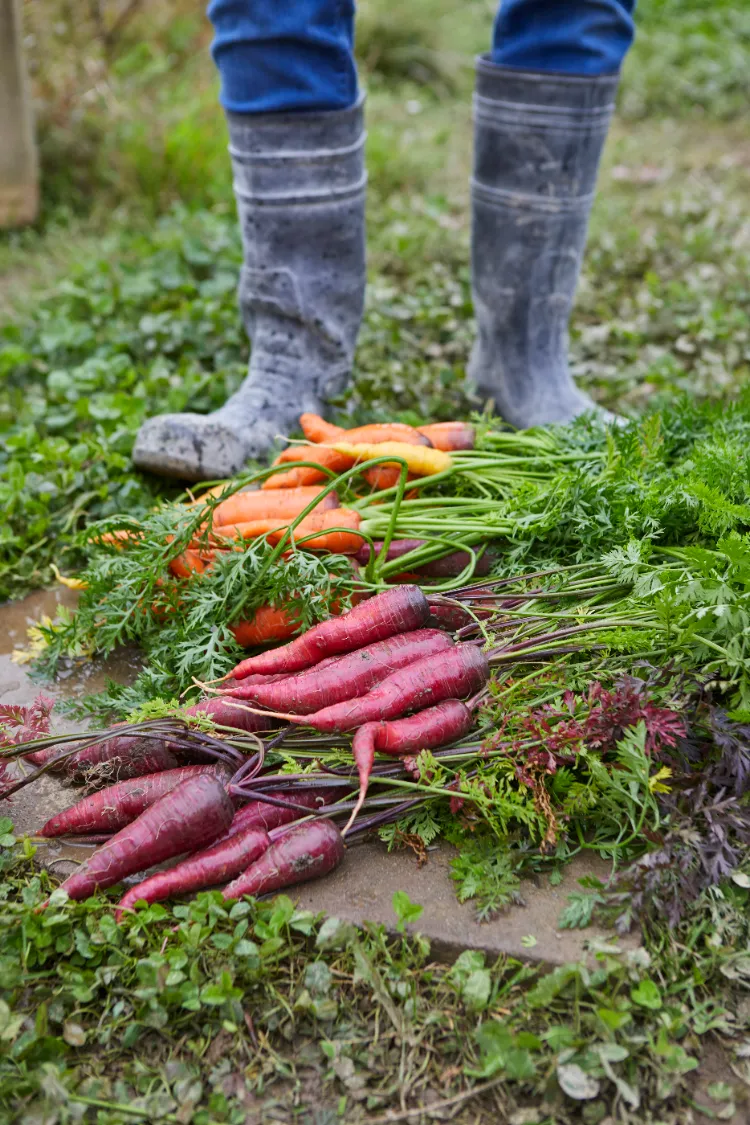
(362, 888)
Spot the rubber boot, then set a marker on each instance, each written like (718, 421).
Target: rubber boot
(538, 139)
(299, 182)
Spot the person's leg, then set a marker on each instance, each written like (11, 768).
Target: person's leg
(276, 57)
(543, 103)
(297, 146)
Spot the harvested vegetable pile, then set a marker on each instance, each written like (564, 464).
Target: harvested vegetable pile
(528, 644)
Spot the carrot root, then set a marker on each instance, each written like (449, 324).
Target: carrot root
(223, 860)
(195, 813)
(303, 852)
(394, 611)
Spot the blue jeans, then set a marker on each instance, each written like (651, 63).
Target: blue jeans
(290, 55)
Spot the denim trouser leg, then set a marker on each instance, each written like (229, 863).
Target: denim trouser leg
(585, 37)
(284, 55)
(291, 55)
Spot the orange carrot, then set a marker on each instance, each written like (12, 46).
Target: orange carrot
(378, 432)
(118, 538)
(189, 562)
(345, 543)
(272, 623)
(449, 436)
(382, 476)
(296, 478)
(209, 494)
(337, 542)
(316, 428)
(286, 503)
(269, 624)
(322, 455)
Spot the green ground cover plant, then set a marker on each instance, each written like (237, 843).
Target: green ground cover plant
(207, 1013)
(121, 302)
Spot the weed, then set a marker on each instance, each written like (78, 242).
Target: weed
(207, 1012)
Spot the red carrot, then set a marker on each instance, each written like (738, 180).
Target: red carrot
(459, 672)
(125, 755)
(303, 852)
(192, 815)
(112, 808)
(395, 611)
(426, 730)
(224, 860)
(261, 814)
(448, 566)
(228, 713)
(450, 617)
(435, 726)
(347, 676)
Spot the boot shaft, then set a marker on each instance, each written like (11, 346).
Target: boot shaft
(539, 137)
(538, 140)
(300, 182)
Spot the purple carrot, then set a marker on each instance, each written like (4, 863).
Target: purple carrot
(128, 755)
(395, 611)
(193, 815)
(458, 672)
(229, 856)
(229, 713)
(303, 852)
(449, 565)
(348, 676)
(111, 809)
(261, 814)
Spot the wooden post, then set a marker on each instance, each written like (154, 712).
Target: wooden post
(19, 184)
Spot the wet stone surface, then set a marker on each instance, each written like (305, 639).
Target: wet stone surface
(362, 888)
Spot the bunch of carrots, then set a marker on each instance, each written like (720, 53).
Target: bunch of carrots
(331, 450)
(298, 507)
(384, 670)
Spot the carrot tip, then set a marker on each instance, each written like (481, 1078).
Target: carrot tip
(354, 814)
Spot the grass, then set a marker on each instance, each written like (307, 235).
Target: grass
(120, 303)
(204, 1013)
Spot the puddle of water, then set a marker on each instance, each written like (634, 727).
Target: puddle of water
(31, 806)
(85, 678)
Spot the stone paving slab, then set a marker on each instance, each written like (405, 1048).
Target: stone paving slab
(362, 888)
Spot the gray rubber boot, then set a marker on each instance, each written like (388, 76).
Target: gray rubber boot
(299, 181)
(538, 139)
